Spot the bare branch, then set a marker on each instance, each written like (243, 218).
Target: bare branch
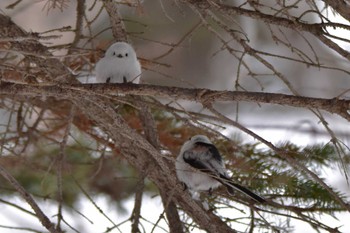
(52, 66)
(45, 221)
(136, 213)
(61, 158)
(335, 105)
(317, 29)
(118, 28)
(340, 6)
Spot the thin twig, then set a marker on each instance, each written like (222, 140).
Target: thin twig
(60, 163)
(136, 213)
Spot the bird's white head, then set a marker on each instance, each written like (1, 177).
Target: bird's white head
(200, 138)
(190, 143)
(121, 50)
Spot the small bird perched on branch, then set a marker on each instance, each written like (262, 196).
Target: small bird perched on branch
(200, 167)
(119, 65)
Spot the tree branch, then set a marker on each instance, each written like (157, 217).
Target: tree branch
(35, 51)
(333, 105)
(317, 29)
(45, 221)
(118, 28)
(139, 152)
(340, 6)
(136, 213)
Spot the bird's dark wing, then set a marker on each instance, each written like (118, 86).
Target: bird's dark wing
(195, 162)
(206, 158)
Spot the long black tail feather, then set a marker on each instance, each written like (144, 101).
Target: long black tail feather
(231, 186)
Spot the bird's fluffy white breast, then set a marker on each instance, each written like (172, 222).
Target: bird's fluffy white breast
(116, 68)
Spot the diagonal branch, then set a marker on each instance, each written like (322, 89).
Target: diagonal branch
(340, 6)
(317, 29)
(288, 156)
(139, 152)
(118, 28)
(45, 221)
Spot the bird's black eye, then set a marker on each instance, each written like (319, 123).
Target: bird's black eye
(126, 54)
(113, 54)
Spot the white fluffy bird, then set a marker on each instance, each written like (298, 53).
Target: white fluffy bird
(200, 167)
(119, 65)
